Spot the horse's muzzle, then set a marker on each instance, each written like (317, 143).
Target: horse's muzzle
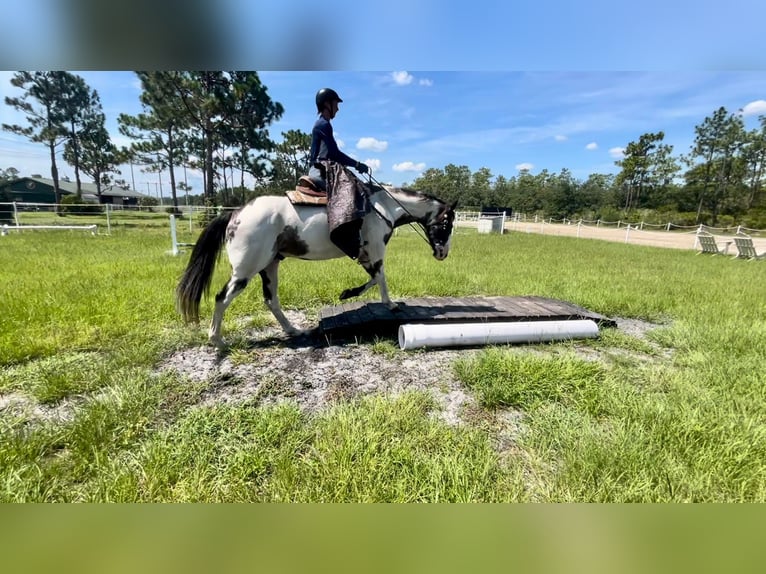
(441, 252)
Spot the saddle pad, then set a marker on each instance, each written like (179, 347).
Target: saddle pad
(298, 197)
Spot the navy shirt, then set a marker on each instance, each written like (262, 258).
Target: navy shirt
(323, 145)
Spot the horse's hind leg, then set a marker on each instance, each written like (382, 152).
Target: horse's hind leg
(270, 279)
(223, 299)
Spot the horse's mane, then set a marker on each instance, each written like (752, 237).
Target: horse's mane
(414, 193)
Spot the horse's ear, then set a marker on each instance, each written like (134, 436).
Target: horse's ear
(454, 205)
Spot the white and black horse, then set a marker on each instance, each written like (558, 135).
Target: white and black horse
(270, 228)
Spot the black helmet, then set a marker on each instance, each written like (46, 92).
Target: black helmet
(326, 95)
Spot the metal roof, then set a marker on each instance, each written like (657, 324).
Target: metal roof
(69, 186)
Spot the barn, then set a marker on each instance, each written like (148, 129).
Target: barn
(36, 189)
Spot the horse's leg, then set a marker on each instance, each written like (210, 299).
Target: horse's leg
(223, 299)
(244, 265)
(377, 277)
(270, 279)
(383, 286)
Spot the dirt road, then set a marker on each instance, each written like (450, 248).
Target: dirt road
(679, 239)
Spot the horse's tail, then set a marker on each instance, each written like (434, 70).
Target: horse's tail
(195, 280)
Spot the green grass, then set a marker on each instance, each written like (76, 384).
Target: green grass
(85, 320)
(504, 379)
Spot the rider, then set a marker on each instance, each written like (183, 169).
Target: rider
(323, 145)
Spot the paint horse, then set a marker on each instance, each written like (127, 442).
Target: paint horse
(268, 229)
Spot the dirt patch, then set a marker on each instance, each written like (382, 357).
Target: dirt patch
(649, 235)
(23, 408)
(314, 374)
(652, 235)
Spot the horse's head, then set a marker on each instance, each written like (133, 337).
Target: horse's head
(439, 229)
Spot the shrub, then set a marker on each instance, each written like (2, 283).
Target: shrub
(610, 214)
(148, 201)
(73, 205)
(755, 219)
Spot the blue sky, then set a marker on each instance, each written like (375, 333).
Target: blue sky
(403, 122)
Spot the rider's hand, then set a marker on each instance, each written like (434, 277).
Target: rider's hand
(362, 167)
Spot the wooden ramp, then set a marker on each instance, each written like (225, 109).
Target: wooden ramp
(368, 318)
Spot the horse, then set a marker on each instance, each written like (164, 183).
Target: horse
(268, 229)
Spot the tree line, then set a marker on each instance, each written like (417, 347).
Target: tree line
(720, 178)
(217, 122)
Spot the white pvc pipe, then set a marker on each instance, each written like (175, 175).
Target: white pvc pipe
(414, 336)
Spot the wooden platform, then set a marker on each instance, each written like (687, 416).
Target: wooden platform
(368, 318)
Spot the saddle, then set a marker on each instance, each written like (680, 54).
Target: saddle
(306, 193)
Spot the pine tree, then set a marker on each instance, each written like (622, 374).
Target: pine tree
(43, 102)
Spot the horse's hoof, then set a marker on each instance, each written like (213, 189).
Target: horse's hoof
(217, 342)
(298, 332)
(394, 307)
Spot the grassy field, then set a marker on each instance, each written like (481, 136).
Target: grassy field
(86, 415)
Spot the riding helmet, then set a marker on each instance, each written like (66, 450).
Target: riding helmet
(324, 96)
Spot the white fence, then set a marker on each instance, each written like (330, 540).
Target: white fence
(636, 233)
(108, 219)
(20, 216)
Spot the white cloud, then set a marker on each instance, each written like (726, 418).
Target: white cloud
(409, 166)
(526, 166)
(617, 152)
(374, 164)
(756, 108)
(402, 78)
(591, 146)
(560, 138)
(341, 143)
(371, 144)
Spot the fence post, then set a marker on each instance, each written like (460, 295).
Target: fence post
(627, 233)
(579, 225)
(15, 214)
(108, 219)
(173, 237)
